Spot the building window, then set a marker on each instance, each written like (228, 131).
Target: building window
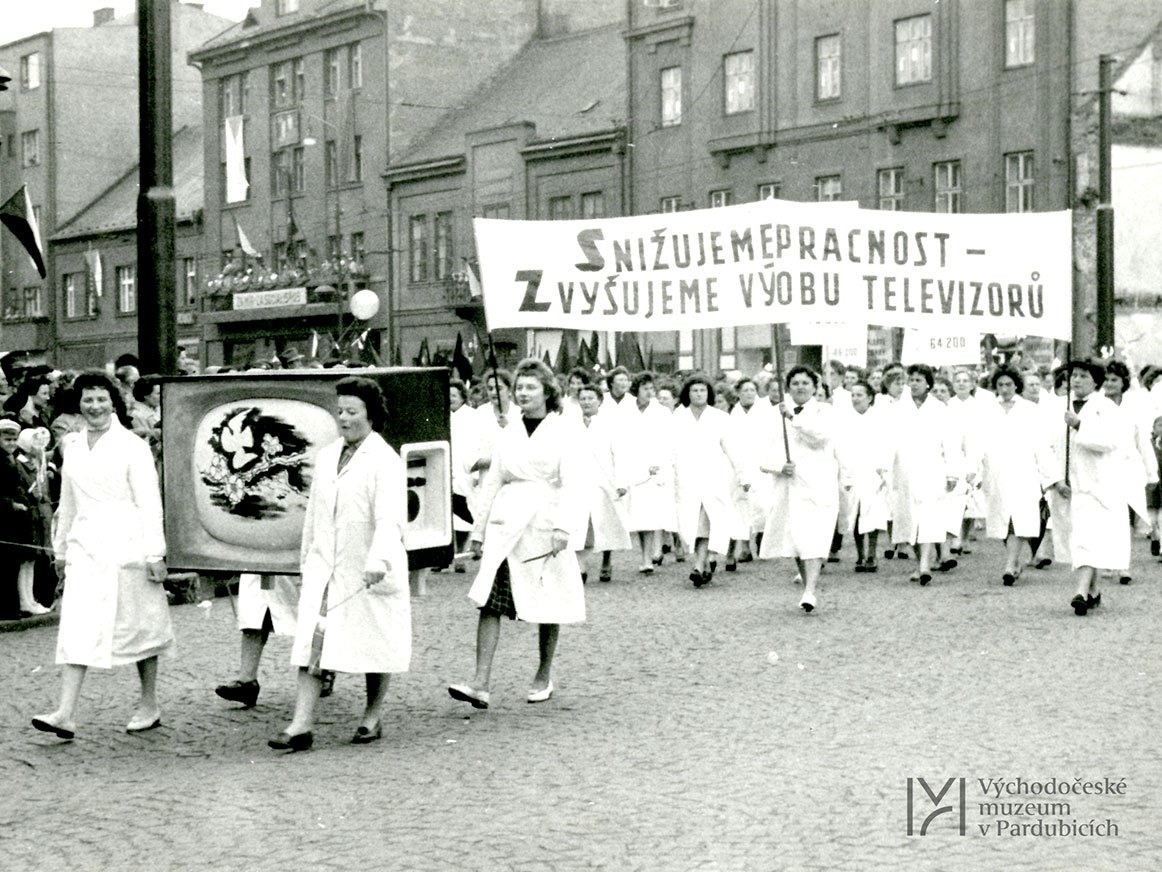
(334, 247)
(560, 208)
(331, 71)
(126, 289)
(738, 74)
(593, 205)
(443, 243)
(671, 96)
(355, 171)
(298, 169)
(32, 303)
(914, 50)
(280, 173)
(30, 71)
(358, 247)
(355, 65)
(890, 184)
(947, 186)
(1019, 182)
(30, 148)
(1019, 38)
(827, 67)
(70, 285)
(330, 163)
(235, 94)
(770, 191)
(720, 198)
(280, 84)
(828, 188)
(418, 248)
(286, 127)
(496, 210)
(286, 7)
(670, 204)
(189, 281)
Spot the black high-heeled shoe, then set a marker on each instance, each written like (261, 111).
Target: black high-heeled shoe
(364, 736)
(1008, 579)
(287, 742)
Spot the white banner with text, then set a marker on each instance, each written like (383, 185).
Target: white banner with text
(776, 261)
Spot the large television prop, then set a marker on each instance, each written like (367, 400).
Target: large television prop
(238, 458)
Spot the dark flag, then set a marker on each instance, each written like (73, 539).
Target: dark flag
(563, 363)
(583, 354)
(424, 358)
(460, 362)
(629, 353)
(19, 218)
(547, 359)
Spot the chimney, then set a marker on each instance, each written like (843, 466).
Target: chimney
(102, 16)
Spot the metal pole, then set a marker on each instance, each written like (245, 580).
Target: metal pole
(1105, 213)
(156, 278)
(779, 388)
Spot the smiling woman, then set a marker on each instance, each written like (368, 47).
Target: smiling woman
(110, 550)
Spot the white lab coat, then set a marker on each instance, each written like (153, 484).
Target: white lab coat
(604, 509)
(753, 428)
(927, 453)
(708, 466)
(805, 505)
(1101, 465)
(354, 524)
(280, 597)
(866, 455)
(465, 452)
(533, 488)
(643, 439)
(1014, 462)
(108, 528)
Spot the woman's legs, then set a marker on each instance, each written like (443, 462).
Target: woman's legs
(25, 576)
(377, 683)
(547, 644)
(307, 692)
(487, 636)
(809, 571)
(1013, 553)
(1086, 578)
(147, 708)
(701, 554)
(72, 677)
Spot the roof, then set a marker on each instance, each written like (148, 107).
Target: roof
(116, 208)
(263, 20)
(567, 86)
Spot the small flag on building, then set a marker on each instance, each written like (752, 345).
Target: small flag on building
(93, 261)
(243, 242)
(18, 216)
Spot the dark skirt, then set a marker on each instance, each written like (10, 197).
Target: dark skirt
(1154, 496)
(500, 599)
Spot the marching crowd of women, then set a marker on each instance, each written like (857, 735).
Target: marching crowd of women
(552, 474)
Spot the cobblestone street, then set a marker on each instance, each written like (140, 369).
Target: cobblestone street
(712, 729)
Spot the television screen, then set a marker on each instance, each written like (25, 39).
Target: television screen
(238, 455)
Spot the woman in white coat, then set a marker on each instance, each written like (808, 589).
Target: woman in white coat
(110, 550)
(1014, 461)
(753, 421)
(355, 606)
(1099, 493)
(927, 467)
(707, 465)
(866, 455)
(805, 504)
(644, 468)
(532, 505)
(604, 528)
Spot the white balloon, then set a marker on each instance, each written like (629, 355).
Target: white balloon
(364, 304)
